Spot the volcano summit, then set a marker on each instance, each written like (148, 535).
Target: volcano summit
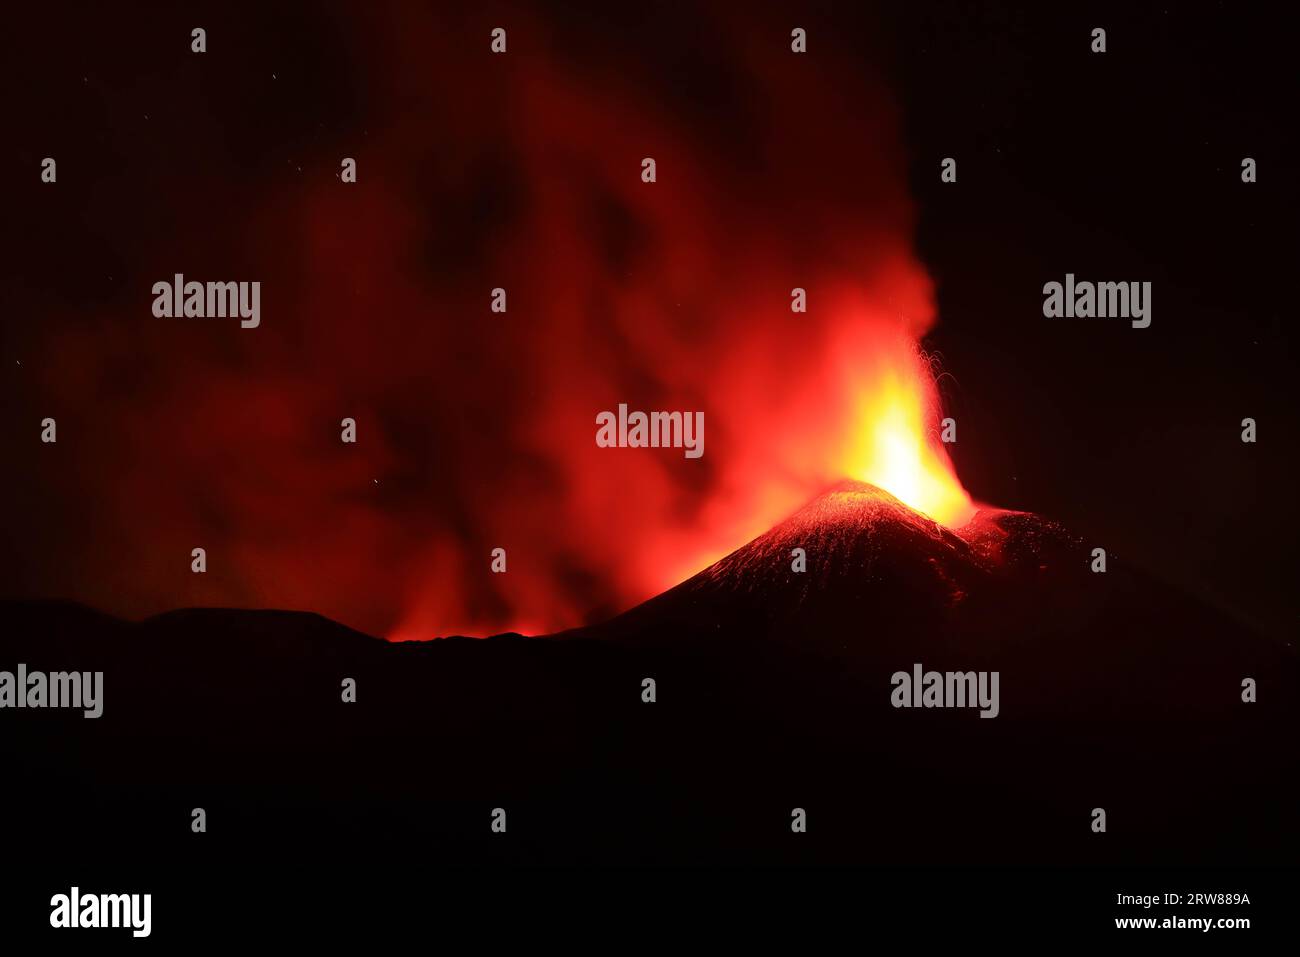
(870, 560)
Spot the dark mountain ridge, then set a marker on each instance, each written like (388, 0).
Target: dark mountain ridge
(773, 691)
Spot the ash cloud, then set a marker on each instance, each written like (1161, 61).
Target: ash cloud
(475, 429)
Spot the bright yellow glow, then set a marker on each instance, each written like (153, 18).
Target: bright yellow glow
(891, 450)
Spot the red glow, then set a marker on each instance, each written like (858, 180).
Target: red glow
(477, 430)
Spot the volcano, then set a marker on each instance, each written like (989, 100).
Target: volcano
(857, 554)
(773, 691)
(885, 585)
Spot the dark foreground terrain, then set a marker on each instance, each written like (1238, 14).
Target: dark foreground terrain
(772, 693)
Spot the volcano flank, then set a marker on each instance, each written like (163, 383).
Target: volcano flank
(867, 558)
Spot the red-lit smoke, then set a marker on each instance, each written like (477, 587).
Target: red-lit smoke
(476, 429)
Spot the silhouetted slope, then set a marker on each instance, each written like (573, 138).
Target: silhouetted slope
(871, 561)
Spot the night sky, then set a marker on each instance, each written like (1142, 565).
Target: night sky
(475, 429)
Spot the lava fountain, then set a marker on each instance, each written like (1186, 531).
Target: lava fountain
(893, 445)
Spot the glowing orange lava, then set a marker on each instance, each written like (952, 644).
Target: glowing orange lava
(894, 448)
(871, 413)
